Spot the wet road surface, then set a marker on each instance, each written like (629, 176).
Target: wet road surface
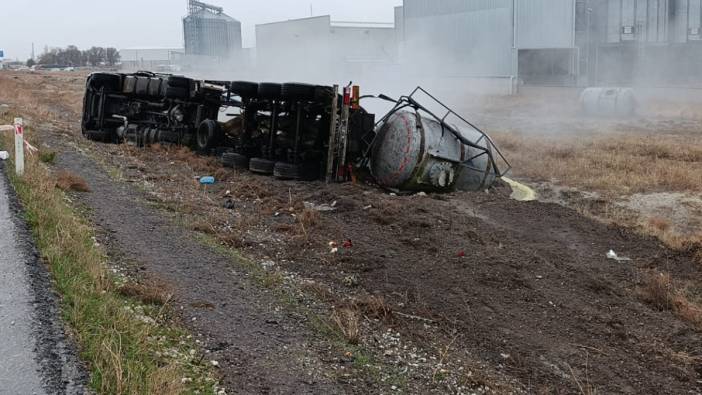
(19, 367)
(34, 355)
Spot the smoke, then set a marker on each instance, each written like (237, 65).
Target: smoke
(475, 56)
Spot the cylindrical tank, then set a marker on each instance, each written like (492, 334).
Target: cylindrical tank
(600, 101)
(417, 153)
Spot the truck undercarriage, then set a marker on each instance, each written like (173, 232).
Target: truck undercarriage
(292, 130)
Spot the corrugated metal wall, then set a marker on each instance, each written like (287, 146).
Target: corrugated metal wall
(211, 35)
(474, 43)
(695, 20)
(638, 20)
(545, 23)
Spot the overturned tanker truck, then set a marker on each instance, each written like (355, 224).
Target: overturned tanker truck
(295, 131)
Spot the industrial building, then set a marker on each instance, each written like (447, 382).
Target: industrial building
(557, 42)
(309, 46)
(209, 32)
(496, 45)
(157, 59)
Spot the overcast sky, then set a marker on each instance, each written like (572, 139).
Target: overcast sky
(152, 23)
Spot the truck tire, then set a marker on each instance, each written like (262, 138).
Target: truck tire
(100, 136)
(295, 91)
(129, 85)
(155, 87)
(289, 171)
(142, 86)
(245, 89)
(168, 137)
(269, 90)
(171, 92)
(235, 161)
(110, 82)
(261, 166)
(208, 136)
(178, 81)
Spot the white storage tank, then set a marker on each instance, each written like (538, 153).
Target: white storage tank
(608, 101)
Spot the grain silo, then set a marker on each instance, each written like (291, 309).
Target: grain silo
(210, 32)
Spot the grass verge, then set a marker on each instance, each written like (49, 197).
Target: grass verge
(130, 347)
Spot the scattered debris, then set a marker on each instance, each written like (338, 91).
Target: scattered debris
(351, 280)
(229, 204)
(320, 207)
(348, 244)
(613, 255)
(4, 108)
(4, 155)
(207, 180)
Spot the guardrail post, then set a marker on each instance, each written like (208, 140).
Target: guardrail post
(19, 146)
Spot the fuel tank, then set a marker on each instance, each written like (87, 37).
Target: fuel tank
(414, 152)
(608, 102)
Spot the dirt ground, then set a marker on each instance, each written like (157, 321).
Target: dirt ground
(457, 293)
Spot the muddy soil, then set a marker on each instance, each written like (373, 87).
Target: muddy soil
(258, 347)
(523, 290)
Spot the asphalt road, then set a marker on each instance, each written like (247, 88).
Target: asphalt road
(35, 357)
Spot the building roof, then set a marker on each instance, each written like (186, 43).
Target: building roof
(364, 25)
(204, 14)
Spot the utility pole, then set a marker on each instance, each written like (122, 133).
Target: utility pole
(33, 51)
(311, 10)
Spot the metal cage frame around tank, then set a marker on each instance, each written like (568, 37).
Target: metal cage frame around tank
(409, 101)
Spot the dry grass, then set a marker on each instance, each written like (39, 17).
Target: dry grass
(373, 306)
(309, 218)
(41, 100)
(348, 322)
(659, 224)
(618, 162)
(68, 181)
(114, 342)
(664, 231)
(660, 291)
(150, 293)
(203, 226)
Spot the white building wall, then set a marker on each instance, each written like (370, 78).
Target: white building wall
(545, 24)
(301, 41)
(472, 43)
(319, 50)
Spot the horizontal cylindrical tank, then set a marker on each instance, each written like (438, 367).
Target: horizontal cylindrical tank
(417, 153)
(602, 101)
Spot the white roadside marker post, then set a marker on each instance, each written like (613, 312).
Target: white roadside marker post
(19, 146)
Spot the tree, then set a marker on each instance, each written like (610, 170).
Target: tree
(73, 56)
(112, 56)
(95, 56)
(31, 63)
(50, 56)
